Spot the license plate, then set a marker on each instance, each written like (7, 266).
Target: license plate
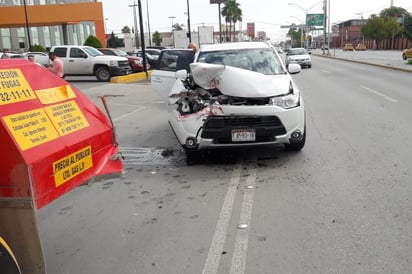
(243, 135)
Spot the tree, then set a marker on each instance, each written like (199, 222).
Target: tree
(177, 26)
(126, 29)
(403, 18)
(92, 41)
(407, 26)
(37, 48)
(156, 38)
(295, 36)
(232, 14)
(237, 16)
(114, 41)
(375, 29)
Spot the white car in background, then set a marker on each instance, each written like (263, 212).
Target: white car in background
(238, 94)
(298, 56)
(41, 58)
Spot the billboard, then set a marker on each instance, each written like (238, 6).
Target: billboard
(314, 20)
(250, 29)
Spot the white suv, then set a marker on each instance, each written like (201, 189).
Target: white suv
(238, 94)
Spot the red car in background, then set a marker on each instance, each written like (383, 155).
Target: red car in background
(135, 62)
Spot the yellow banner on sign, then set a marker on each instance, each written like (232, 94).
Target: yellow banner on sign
(14, 87)
(31, 128)
(72, 165)
(67, 117)
(56, 94)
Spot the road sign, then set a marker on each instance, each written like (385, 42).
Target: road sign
(314, 19)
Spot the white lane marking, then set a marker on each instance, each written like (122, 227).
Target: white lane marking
(128, 114)
(325, 71)
(380, 94)
(216, 247)
(242, 237)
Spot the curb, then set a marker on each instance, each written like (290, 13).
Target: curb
(131, 78)
(364, 62)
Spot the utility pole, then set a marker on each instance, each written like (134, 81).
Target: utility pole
(142, 38)
(189, 34)
(27, 25)
(136, 35)
(148, 23)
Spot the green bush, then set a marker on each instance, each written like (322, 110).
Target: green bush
(92, 41)
(37, 48)
(409, 61)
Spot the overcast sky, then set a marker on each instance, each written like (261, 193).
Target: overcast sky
(268, 15)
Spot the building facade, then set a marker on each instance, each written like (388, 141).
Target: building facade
(49, 23)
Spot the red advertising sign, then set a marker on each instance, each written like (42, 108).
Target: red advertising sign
(55, 138)
(250, 29)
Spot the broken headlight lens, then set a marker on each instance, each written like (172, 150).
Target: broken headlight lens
(285, 101)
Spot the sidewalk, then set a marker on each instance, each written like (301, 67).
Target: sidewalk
(384, 58)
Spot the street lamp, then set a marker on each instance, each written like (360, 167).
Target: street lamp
(105, 25)
(306, 15)
(148, 23)
(135, 24)
(173, 33)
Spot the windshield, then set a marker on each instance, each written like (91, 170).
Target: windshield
(264, 61)
(297, 51)
(120, 52)
(93, 51)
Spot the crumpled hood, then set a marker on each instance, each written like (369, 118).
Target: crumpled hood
(238, 82)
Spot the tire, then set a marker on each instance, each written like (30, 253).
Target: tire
(403, 56)
(103, 74)
(298, 145)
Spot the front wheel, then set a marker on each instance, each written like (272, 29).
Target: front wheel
(403, 56)
(103, 74)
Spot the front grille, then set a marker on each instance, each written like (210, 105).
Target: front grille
(123, 63)
(219, 128)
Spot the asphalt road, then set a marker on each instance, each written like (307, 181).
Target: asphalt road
(342, 205)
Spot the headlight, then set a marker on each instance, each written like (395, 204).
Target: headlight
(113, 63)
(286, 101)
(137, 62)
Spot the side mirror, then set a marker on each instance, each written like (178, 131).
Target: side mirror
(181, 74)
(294, 68)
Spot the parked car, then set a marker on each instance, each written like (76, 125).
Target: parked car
(136, 63)
(41, 58)
(298, 56)
(152, 60)
(11, 55)
(407, 53)
(238, 94)
(347, 47)
(154, 52)
(360, 47)
(85, 60)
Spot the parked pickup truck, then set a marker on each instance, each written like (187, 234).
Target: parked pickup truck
(84, 60)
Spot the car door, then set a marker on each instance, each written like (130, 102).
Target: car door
(78, 62)
(164, 73)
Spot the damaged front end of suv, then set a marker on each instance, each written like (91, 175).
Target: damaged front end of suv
(226, 106)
